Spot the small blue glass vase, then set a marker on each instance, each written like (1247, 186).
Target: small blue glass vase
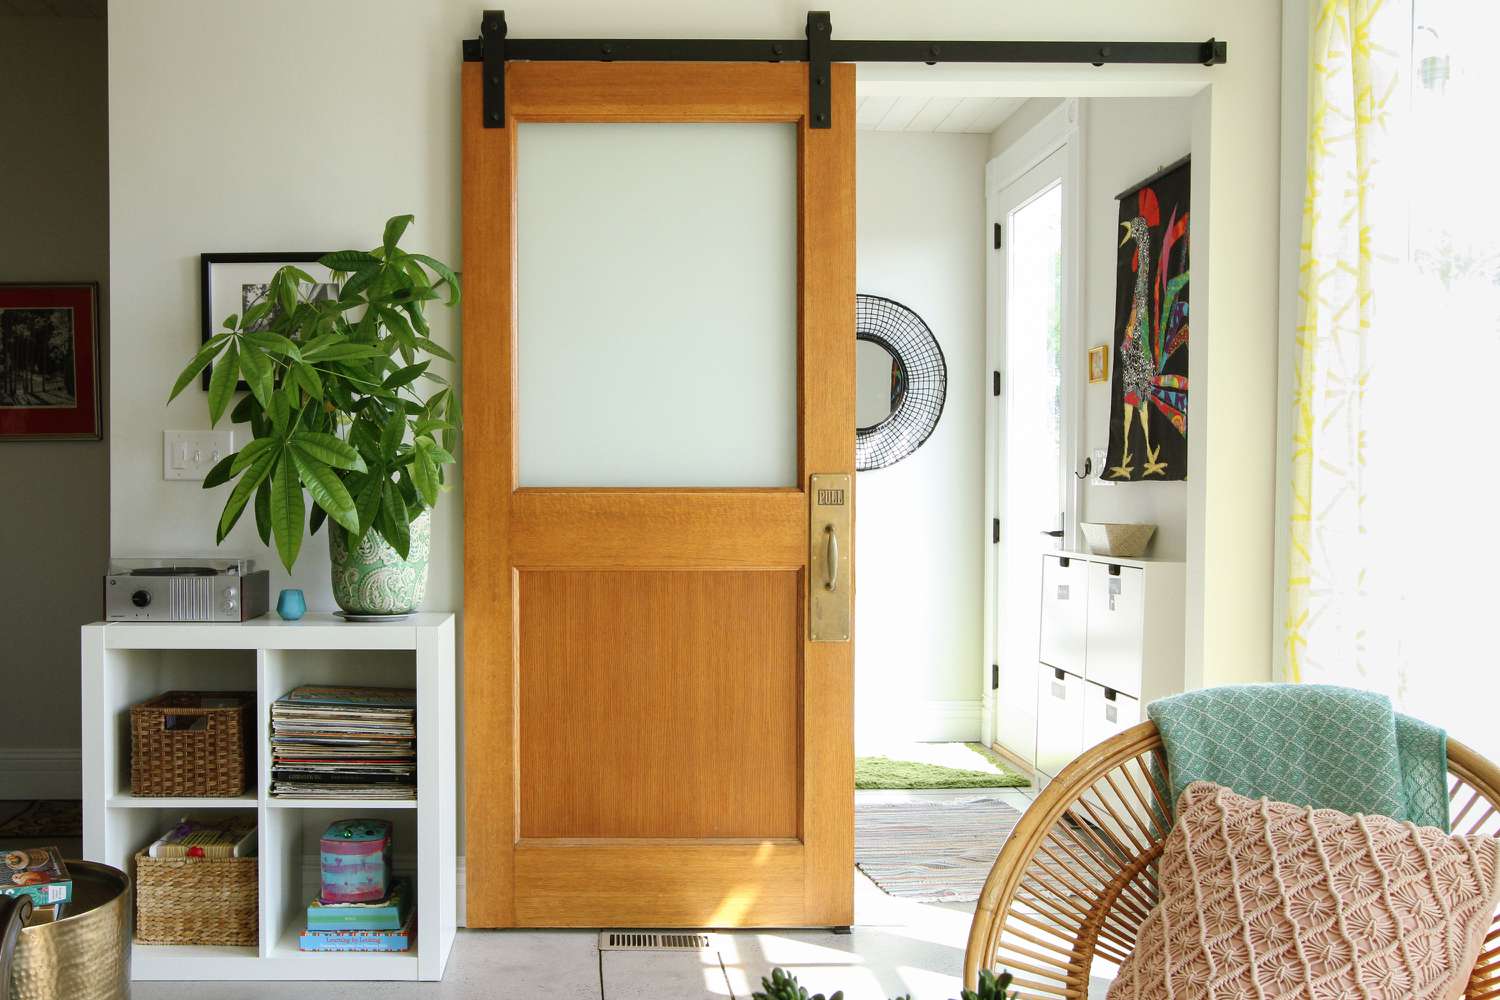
(291, 605)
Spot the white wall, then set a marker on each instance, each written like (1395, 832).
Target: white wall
(919, 529)
(54, 193)
(1125, 141)
(283, 124)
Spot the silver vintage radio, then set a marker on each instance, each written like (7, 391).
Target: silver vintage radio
(185, 590)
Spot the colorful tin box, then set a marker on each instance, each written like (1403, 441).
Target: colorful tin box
(356, 861)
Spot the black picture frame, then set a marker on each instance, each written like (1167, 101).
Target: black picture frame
(206, 264)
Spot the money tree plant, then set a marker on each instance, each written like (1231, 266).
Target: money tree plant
(782, 985)
(342, 404)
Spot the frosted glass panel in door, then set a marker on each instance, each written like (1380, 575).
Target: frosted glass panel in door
(657, 304)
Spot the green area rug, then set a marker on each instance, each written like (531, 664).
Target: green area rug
(939, 765)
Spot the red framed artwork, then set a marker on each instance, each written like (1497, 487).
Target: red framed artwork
(49, 361)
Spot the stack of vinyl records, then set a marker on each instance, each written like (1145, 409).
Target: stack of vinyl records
(344, 743)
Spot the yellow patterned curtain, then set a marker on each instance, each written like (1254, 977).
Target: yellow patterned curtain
(1353, 86)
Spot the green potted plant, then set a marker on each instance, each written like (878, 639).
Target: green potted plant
(782, 985)
(336, 410)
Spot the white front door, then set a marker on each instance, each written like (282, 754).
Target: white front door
(1031, 433)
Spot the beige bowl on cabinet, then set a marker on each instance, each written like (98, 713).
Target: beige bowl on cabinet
(1128, 541)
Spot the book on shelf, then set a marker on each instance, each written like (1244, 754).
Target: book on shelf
(344, 742)
(399, 939)
(227, 837)
(38, 872)
(388, 914)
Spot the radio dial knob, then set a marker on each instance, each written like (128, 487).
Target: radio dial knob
(229, 604)
(141, 598)
(230, 592)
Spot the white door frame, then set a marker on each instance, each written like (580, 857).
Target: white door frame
(1061, 131)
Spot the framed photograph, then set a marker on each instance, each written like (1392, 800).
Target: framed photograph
(1099, 363)
(231, 283)
(49, 361)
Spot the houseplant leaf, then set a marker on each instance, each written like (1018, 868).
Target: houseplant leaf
(257, 371)
(328, 449)
(201, 360)
(221, 383)
(392, 521)
(326, 489)
(393, 230)
(249, 480)
(348, 260)
(263, 511)
(424, 474)
(287, 510)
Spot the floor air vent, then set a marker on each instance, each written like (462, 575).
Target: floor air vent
(653, 941)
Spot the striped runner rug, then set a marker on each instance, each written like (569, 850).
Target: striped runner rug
(932, 851)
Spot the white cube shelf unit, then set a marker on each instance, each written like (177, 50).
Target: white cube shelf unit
(125, 663)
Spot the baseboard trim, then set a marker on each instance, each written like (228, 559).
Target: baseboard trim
(40, 773)
(945, 721)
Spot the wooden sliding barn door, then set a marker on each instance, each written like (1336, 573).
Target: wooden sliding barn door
(654, 736)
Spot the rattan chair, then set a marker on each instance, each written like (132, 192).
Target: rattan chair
(1078, 875)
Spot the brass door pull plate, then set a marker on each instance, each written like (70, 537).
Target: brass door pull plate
(830, 592)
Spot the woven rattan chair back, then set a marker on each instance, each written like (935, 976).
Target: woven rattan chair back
(1079, 873)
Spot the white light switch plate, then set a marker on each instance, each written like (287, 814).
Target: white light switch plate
(190, 454)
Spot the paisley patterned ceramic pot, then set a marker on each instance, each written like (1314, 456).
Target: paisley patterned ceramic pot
(373, 579)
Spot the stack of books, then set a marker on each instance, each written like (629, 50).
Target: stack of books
(38, 872)
(384, 925)
(222, 837)
(344, 743)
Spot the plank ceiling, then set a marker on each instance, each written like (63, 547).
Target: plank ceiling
(934, 114)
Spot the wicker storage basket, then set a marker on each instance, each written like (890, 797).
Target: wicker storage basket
(196, 900)
(171, 755)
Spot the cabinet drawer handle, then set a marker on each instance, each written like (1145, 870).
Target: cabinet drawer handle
(1114, 570)
(1059, 674)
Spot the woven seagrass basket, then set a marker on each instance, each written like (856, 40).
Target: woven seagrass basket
(196, 900)
(171, 755)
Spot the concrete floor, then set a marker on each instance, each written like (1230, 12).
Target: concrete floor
(896, 946)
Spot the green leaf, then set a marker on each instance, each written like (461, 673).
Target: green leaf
(393, 230)
(280, 411)
(257, 370)
(307, 377)
(245, 409)
(357, 283)
(221, 383)
(442, 271)
(256, 313)
(235, 505)
(299, 274)
(367, 505)
(231, 321)
(284, 288)
(287, 511)
(431, 347)
(326, 489)
(263, 511)
(405, 376)
(251, 453)
(201, 360)
(328, 449)
(275, 343)
(392, 520)
(429, 424)
(315, 519)
(345, 350)
(348, 260)
(424, 475)
(391, 435)
(220, 473)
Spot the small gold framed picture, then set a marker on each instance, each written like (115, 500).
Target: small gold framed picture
(1099, 363)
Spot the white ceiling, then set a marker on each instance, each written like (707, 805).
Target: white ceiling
(925, 113)
(52, 8)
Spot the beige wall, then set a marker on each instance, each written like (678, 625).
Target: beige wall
(215, 144)
(918, 627)
(54, 495)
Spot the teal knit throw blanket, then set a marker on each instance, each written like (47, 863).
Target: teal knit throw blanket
(1309, 744)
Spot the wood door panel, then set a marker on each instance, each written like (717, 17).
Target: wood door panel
(659, 703)
(647, 92)
(559, 528)
(659, 885)
(650, 735)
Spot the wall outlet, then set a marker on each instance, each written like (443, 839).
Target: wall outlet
(190, 454)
